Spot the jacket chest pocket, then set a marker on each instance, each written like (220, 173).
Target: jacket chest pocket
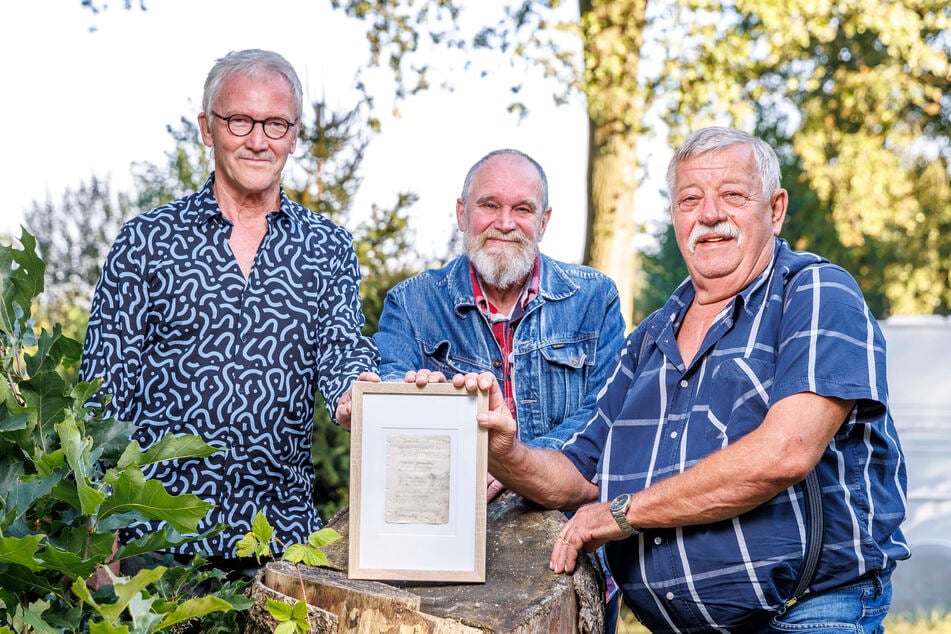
(564, 376)
(441, 357)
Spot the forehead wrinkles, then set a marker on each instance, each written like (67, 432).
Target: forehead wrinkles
(731, 165)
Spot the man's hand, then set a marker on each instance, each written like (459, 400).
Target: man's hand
(493, 489)
(423, 377)
(591, 526)
(344, 409)
(503, 432)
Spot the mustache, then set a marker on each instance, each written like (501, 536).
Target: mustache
(699, 232)
(514, 236)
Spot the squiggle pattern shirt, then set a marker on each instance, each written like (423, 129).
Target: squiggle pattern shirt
(187, 346)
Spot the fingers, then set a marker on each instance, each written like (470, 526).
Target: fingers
(369, 376)
(564, 553)
(423, 376)
(472, 381)
(494, 488)
(344, 411)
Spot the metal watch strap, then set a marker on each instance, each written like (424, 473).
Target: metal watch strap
(619, 507)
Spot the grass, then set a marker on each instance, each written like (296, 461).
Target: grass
(894, 624)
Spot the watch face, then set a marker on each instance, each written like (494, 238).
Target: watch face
(618, 503)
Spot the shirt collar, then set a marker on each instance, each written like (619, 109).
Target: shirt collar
(208, 208)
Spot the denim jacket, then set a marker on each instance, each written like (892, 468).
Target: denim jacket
(562, 351)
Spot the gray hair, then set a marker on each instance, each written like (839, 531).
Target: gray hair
(714, 139)
(467, 185)
(252, 62)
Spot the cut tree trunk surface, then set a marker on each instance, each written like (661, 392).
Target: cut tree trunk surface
(520, 595)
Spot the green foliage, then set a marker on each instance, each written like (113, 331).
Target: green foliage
(257, 542)
(855, 95)
(70, 479)
(290, 619)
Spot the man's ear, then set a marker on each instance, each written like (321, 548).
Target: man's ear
(460, 214)
(778, 205)
(204, 126)
(543, 224)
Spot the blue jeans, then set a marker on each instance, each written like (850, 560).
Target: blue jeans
(857, 608)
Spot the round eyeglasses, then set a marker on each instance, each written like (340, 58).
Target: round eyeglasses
(242, 124)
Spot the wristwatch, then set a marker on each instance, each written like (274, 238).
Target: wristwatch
(619, 506)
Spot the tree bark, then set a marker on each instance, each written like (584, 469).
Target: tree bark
(520, 595)
(612, 36)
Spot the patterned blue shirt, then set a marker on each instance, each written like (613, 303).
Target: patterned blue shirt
(801, 326)
(186, 345)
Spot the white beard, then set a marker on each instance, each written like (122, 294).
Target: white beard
(501, 266)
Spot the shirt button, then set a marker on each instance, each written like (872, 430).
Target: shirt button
(670, 596)
(673, 434)
(658, 541)
(683, 383)
(497, 363)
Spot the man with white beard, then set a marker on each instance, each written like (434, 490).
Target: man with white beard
(548, 331)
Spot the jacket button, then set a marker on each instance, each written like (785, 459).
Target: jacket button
(497, 363)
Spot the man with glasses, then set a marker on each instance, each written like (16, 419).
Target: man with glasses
(222, 313)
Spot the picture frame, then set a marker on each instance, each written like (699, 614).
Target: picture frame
(418, 475)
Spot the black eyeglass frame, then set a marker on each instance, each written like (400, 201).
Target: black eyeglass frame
(254, 122)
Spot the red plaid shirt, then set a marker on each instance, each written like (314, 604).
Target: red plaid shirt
(503, 326)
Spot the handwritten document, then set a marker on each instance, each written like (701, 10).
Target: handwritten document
(417, 479)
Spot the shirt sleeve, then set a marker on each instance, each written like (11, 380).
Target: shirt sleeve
(610, 339)
(345, 351)
(115, 334)
(830, 344)
(588, 445)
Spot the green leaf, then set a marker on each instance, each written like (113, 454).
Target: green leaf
(279, 610)
(21, 280)
(261, 528)
(257, 542)
(133, 493)
(309, 555)
(20, 550)
(249, 546)
(109, 434)
(38, 623)
(324, 536)
(101, 627)
(13, 422)
(287, 627)
(44, 392)
(195, 607)
(78, 450)
(171, 447)
(65, 562)
(23, 491)
(162, 539)
(51, 351)
(127, 590)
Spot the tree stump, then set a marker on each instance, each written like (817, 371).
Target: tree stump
(520, 595)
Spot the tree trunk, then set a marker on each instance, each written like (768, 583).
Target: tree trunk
(520, 595)
(612, 35)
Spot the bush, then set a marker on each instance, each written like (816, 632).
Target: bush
(70, 480)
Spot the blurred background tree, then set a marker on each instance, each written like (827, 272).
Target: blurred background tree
(855, 96)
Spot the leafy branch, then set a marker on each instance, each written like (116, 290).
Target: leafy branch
(257, 543)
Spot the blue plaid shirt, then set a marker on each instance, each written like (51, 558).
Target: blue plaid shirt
(187, 345)
(784, 334)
